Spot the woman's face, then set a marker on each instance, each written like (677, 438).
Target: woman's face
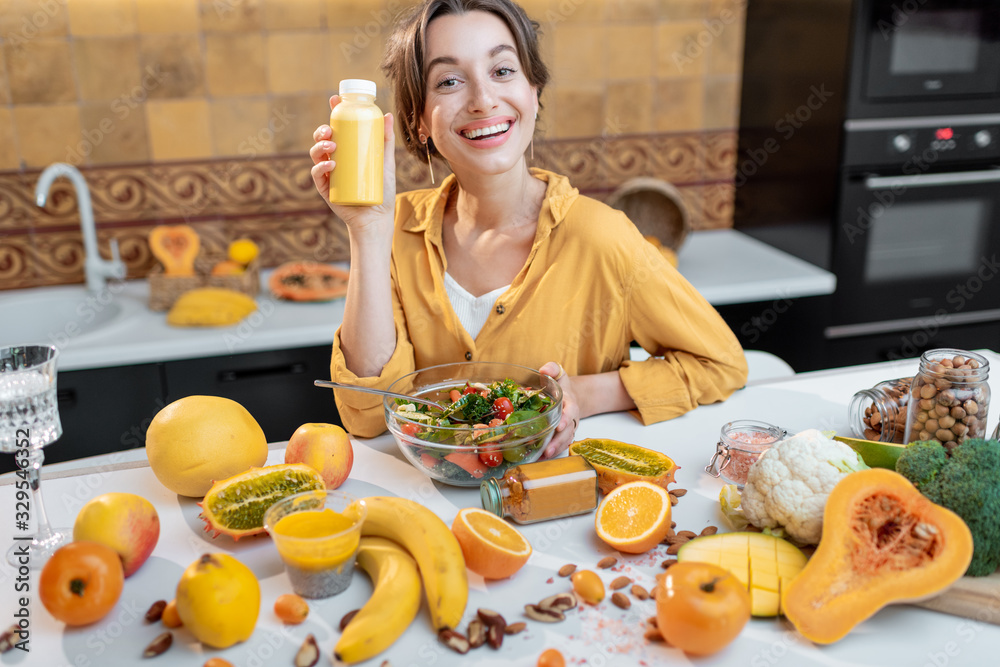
(480, 108)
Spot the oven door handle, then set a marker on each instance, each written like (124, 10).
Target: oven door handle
(931, 180)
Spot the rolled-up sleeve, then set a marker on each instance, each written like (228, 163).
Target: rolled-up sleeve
(696, 359)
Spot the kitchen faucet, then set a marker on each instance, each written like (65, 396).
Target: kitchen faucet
(95, 268)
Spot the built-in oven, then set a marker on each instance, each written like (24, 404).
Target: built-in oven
(917, 236)
(914, 55)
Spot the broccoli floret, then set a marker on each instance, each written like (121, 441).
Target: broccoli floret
(921, 462)
(965, 480)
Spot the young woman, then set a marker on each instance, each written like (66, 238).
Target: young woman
(502, 262)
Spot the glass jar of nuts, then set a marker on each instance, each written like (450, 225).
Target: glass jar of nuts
(879, 413)
(949, 397)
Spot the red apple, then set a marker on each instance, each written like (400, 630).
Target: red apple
(325, 448)
(125, 522)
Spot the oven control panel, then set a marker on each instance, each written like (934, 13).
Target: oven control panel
(927, 142)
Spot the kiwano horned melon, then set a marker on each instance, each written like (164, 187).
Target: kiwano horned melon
(199, 439)
(236, 506)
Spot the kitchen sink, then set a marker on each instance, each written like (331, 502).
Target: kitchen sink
(57, 315)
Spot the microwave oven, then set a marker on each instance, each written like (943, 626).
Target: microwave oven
(924, 57)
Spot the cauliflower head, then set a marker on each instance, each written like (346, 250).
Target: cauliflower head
(788, 486)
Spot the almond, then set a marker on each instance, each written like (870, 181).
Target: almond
(674, 548)
(687, 533)
(515, 628)
(620, 600)
(567, 570)
(680, 493)
(619, 582)
(639, 592)
(668, 562)
(606, 562)
(709, 530)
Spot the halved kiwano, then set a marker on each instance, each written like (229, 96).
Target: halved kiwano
(619, 462)
(765, 564)
(235, 506)
(308, 281)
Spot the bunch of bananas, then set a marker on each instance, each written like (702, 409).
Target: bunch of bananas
(210, 306)
(398, 537)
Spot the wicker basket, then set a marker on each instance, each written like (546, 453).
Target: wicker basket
(164, 290)
(656, 208)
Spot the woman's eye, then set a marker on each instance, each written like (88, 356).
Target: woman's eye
(505, 71)
(447, 83)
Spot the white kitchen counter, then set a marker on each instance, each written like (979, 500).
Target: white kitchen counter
(726, 266)
(601, 635)
(729, 267)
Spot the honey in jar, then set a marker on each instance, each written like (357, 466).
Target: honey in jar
(542, 490)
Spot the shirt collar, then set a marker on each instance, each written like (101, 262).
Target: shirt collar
(428, 207)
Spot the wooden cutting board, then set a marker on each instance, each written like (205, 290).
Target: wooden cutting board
(977, 598)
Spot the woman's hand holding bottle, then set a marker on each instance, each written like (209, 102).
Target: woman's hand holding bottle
(359, 219)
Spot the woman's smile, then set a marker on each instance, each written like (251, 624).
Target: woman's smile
(487, 133)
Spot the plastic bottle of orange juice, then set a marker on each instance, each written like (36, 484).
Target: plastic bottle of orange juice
(359, 133)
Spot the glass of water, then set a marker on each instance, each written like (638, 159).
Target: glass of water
(29, 420)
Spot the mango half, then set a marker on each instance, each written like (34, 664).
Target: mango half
(764, 563)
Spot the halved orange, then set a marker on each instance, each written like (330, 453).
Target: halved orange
(634, 517)
(492, 547)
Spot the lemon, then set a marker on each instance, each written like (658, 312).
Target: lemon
(235, 506)
(218, 599)
(198, 439)
(243, 251)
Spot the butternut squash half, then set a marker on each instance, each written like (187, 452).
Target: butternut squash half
(176, 246)
(883, 543)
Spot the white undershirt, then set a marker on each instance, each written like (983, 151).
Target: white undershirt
(472, 311)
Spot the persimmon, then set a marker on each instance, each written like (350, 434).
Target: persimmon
(81, 582)
(700, 607)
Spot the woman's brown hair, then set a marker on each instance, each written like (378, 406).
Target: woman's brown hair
(403, 63)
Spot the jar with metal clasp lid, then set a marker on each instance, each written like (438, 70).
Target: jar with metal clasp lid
(740, 444)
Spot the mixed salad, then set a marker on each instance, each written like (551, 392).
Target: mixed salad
(480, 417)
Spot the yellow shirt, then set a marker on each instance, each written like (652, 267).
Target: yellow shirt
(590, 286)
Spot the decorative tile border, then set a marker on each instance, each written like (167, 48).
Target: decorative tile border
(272, 200)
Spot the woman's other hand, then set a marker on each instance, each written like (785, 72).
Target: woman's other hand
(570, 419)
(323, 154)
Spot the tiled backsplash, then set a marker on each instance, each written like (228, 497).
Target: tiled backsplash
(203, 110)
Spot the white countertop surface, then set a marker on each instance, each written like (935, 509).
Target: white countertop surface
(726, 266)
(601, 635)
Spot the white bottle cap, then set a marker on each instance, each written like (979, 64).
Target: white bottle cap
(363, 86)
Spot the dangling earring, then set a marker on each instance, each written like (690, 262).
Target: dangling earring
(425, 141)
(531, 145)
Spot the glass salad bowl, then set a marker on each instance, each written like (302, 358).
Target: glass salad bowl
(508, 414)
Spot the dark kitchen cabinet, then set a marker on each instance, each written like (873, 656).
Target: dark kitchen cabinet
(276, 386)
(102, 410)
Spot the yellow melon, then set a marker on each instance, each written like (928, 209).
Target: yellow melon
(199, 439)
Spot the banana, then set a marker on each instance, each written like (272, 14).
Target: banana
(391, 608)
(432, 544)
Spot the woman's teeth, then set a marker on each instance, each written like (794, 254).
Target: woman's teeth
(500, 128)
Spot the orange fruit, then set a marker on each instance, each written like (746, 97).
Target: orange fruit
(634, 517)
(492, 547)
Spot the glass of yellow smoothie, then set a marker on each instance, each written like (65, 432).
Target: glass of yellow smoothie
(317, 535)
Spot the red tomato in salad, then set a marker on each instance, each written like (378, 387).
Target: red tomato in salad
(502, 408)
(410, 429)
(469, 389)
(491, 457)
